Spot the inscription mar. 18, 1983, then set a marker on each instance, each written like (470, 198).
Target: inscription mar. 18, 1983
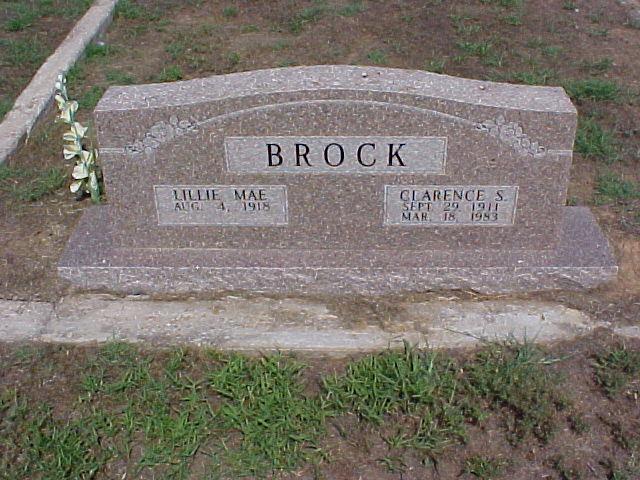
(430, 205)
(356, 155)
(234, 205)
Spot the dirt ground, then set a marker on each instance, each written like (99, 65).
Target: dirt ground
(538, 41)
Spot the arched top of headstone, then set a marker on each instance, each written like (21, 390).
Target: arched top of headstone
(320, 78)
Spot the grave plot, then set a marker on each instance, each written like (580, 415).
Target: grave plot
(505, 41)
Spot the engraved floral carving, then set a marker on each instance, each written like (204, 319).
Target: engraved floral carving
(512, 134)
(160, 133)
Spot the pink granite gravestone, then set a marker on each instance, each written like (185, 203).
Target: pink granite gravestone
(336, 179)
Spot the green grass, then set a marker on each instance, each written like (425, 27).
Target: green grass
(5, 106)
(176, 49)
(512, 376)
(351, 9)
(535, 76)
(618, 367)
(176, 414)
(91, 97)
(485, 468)
(505, 3)
(612, 188)
(515, 20)
(250, 28)
(594, 89)
(551, 51)
(377, 57)
(117, 77)
(476, 49)
(169, 74)
(306, 16)
(462, 25)
(11, 173)
(233, 58)
(95, 50)
(129, 10)
(230, 12)
(601, 65)
(25, 15)
(29, 185)
(435, 65)
(23, 52)
(593, 141)
(409, 383)
(279, 426)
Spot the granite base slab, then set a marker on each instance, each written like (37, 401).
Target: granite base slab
(581, 259)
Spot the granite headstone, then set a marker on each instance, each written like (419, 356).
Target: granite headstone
(336, 179)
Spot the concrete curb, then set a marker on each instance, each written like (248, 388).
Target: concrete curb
(36, 97)
(291, 324)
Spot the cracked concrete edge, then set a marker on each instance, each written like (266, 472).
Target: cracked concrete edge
(36, 97)
(290, 324)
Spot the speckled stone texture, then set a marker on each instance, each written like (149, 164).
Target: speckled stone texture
(490, 144)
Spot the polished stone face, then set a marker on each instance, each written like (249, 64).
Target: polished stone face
(286, 167)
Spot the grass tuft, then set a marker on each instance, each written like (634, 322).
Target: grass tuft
(601, 65)
(377, 57)
(306, 16)
(592, 141)
(23, 51)
(351, 9)
(5, 106)
(28, 185)
(617, 367)
(612, 188)
(513, 376)
(279, 426)
(169, 74)
(485, 468)
(230, 12)
(409, 382)
(594, 89)
(129, 10)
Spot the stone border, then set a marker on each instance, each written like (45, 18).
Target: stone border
(261, 324)
(37, 96)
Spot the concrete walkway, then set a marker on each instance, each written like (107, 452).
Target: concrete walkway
(296, 324)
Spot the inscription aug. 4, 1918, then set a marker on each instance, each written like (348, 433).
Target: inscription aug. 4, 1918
(251, 205)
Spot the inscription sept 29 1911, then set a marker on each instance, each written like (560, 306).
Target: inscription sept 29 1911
(449, 205)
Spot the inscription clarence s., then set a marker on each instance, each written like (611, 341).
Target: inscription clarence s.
(253, 205)
(336, 154)
(430, 205)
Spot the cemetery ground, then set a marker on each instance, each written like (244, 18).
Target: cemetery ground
(29, 32)
(570, 411)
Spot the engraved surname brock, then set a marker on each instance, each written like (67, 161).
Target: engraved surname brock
(220, 205)
(436, 205)
(356, 155)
